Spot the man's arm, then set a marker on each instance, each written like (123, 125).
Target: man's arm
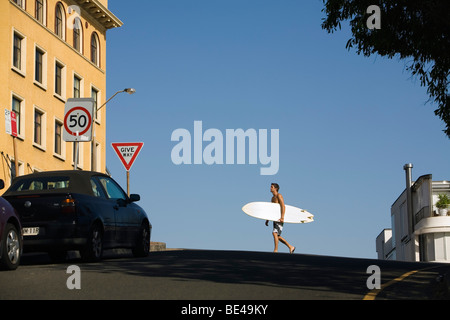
(282, 207)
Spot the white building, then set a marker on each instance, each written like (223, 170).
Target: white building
(419, 232)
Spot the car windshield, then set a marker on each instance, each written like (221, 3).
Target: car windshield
(41, 183)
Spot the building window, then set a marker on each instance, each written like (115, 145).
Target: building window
(58, 138)
(60, 21)
(95, 96)
(18, 53)
(60, 80)
(77, 35)
(40, 67)
(20, 3)
(17, 57)
(95, 49)
(40, 10)
(17, 106)
(76, 87)
(38, 122)
(38, 76)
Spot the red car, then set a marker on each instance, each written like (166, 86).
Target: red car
(10, 235)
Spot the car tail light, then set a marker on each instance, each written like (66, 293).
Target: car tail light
(68, 205)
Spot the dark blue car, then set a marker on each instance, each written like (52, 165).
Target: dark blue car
(10, 235)
(78, 210)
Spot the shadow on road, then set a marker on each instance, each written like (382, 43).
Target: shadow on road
(310, 276)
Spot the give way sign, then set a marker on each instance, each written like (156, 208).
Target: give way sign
(127, 152)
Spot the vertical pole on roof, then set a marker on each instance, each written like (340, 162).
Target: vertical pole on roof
(408, 168)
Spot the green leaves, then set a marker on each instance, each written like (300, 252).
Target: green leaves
(417, 31)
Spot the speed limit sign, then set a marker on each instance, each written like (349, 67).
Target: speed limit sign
(78, 119)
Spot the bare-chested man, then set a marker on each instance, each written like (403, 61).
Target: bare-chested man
(278, 225)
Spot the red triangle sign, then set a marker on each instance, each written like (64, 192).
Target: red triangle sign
(127, 152)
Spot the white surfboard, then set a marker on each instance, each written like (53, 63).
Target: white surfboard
(271, 211)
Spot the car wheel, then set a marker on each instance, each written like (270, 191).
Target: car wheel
(12, 244)
(142, 247)
(94, 246)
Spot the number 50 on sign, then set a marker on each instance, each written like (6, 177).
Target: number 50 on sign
(78, 119)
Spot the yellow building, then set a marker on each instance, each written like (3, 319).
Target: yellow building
(51, 51)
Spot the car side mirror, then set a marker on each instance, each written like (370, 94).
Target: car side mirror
(2, 184)
(134, 197)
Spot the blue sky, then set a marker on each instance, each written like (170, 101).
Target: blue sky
(347, 123)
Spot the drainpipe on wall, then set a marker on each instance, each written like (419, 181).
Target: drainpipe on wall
(408, 170)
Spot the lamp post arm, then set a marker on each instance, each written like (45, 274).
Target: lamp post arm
(93, 154)
(110, 99)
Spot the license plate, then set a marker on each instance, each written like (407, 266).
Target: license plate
(31, 231)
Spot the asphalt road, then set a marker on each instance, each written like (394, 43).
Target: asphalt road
(222, 275)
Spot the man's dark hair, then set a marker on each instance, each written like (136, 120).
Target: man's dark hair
(276, 186)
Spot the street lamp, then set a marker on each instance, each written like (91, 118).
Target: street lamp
(130, 90)
(93, 154)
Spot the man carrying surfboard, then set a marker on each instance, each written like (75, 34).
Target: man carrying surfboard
(278, 225)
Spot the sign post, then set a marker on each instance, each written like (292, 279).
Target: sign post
(127, 153)
(11, 128)
(78, 122)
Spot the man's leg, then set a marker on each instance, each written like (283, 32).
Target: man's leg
(275, 239)
(284, 241)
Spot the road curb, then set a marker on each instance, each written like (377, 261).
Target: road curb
(157, 246)
(154, 247)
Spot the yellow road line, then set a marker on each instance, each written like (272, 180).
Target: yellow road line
(373, 294)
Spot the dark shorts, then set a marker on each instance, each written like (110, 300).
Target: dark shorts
(277, 227)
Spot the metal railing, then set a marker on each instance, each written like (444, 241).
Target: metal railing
(425, 212)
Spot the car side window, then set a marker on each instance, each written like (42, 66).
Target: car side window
(113, 191)
(97, 189)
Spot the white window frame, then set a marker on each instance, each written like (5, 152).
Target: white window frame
(95, 36)
(21, 5)
(61, 156)
(63, 94)
(23, 50)
(61, 8)
(78, 25)
(21, 123)
(97, 119)
(44, 12)
(44, 83)
(75, 74)
(43, 144)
